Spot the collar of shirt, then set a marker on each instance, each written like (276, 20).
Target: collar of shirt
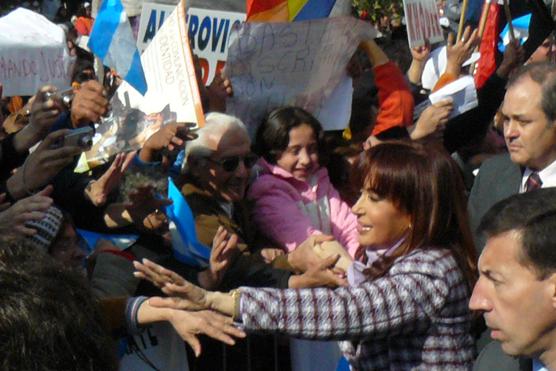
(355, 272)
(547, 175)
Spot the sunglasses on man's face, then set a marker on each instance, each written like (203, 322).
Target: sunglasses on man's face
(230, 164)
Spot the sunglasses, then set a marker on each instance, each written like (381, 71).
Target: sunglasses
(230, 164)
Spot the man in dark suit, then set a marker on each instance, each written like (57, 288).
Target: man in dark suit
(516, 290)
(529, 112)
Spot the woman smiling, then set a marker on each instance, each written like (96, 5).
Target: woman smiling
(406, 305)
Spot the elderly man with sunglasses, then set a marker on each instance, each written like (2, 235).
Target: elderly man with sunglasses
(216, 173)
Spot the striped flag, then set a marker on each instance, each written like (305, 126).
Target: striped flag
(187, 248)
(112, 41)
(288, 10)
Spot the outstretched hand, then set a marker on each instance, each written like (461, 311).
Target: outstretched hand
(323, 274)
(215, 325)
(173, 285)
(189, 324)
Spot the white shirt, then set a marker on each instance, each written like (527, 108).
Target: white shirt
(547, 175)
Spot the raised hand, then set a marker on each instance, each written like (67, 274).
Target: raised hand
(458, 51)
(421, 53)
(219, 89)
(98, 190)
(170, 136)
(42, 165)
(44, 113)
(224, 248)
(89, 104)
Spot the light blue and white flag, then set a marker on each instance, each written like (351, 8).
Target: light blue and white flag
(112, 41)
(187, 248)
(521, 32)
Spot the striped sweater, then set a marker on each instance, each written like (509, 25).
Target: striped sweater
(413, 318)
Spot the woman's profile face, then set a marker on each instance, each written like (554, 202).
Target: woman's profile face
(380, 222)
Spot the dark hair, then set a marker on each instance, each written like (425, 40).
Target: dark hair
(273, 135)
(544, 74)
(79, 74)
(48, 318)
(533, 215)
(426, 184)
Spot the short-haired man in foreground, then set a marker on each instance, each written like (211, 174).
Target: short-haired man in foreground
(516, 290)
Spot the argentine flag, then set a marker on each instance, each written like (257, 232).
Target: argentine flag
(112, 41)
(187, 249)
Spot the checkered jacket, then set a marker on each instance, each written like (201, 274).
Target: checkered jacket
(413, 318)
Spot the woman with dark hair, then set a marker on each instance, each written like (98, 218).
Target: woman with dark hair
(406, 307)
(294, 198)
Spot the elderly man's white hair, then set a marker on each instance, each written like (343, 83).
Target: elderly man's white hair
(216, 124)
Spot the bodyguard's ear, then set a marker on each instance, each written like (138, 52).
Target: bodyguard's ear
(551, 280)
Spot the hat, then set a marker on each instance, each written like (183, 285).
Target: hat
(47, 228)
(86, 4)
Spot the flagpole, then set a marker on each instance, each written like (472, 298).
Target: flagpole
(482, 25)
(462, 19)
(509, 20)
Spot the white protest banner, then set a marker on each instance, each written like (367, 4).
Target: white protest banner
(33, 53)
(172, 96)
(423, 22)
(209, 32)
(297, 63)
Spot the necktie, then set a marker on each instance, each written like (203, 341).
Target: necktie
(533, 182)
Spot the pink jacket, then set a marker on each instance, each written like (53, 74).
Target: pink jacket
(288, 210)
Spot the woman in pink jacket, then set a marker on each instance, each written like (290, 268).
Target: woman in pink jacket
(293, 196)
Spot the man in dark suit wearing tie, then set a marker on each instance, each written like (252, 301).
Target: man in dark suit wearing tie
(529, 112)
(516, 290)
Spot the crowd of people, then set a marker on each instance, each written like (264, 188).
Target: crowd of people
(404, 242)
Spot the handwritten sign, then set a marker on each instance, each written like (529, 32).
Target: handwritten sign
(172, 96)
(299, 63)
(209, 33)
(33, 53)
(423, 22)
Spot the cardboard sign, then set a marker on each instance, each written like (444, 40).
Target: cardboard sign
(173, 94)
(299, 63)
(423, 22)
(209, 33)
(33, 53)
